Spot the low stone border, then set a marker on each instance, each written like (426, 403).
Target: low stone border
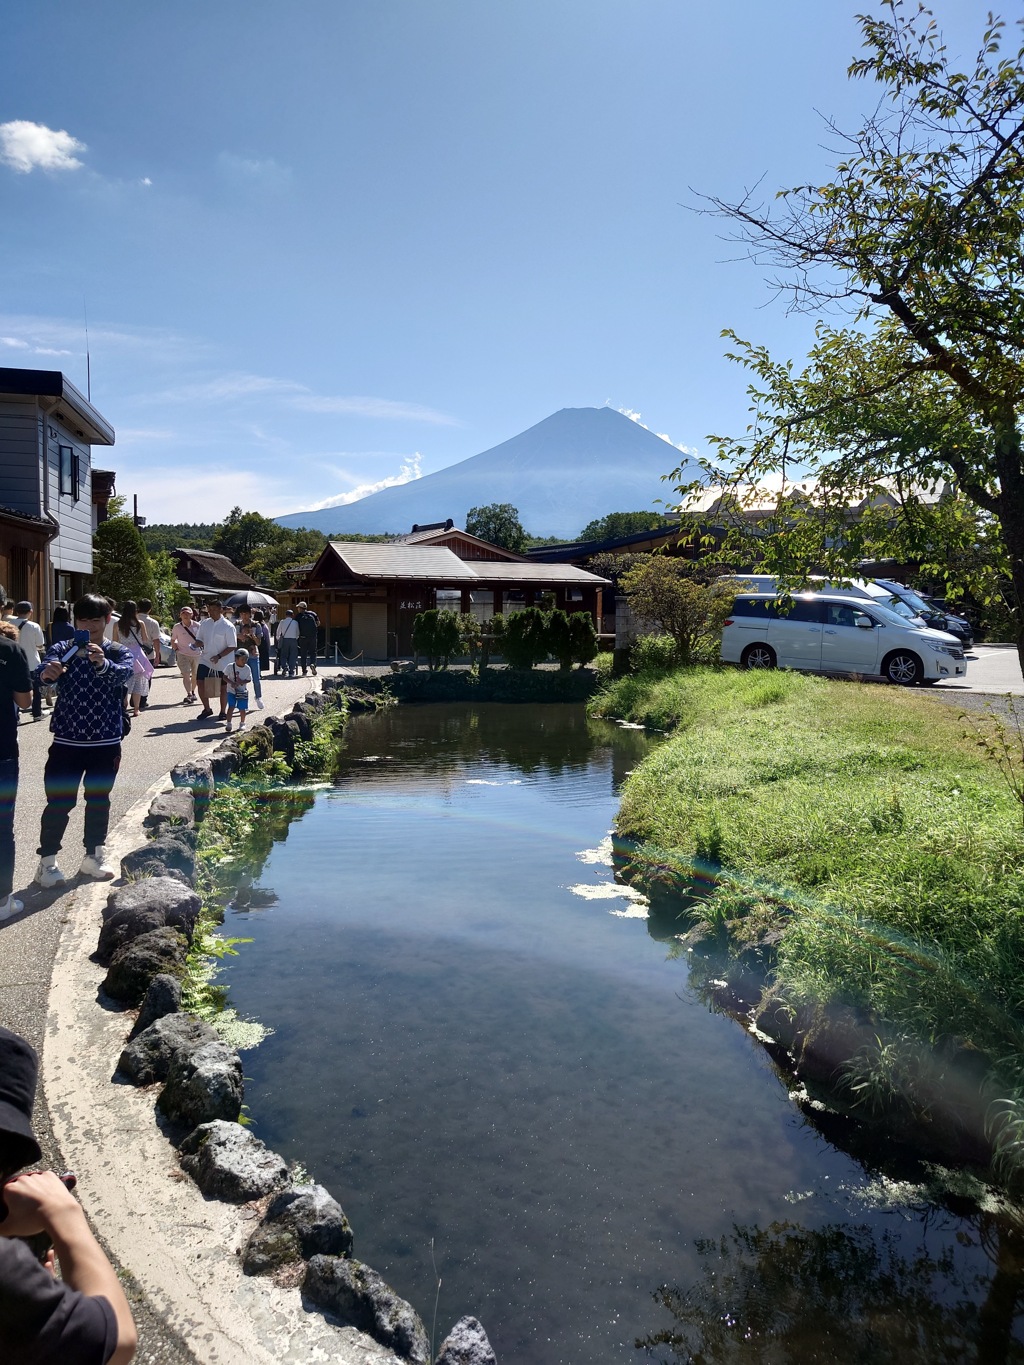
(211, 1222)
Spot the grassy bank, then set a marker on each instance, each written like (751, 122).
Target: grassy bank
(857, 830)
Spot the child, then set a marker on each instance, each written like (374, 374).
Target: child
(239, 676)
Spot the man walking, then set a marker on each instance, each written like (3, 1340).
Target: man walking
(219, 642)
(309, 624)
(15, 692)
(32, 642)
(287, 637)
(91, 674)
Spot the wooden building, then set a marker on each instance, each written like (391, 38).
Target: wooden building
(47, 431)
(206, 574)
(367, 595)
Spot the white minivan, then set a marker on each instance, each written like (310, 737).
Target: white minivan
(834, 633)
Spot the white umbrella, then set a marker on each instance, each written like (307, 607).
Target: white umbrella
(249, 598)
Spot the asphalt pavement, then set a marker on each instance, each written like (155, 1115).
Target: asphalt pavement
(164, 735)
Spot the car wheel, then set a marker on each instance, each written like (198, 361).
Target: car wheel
(903, 668)
(758, 656)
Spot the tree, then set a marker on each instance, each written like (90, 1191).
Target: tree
(169, 596)
(524, 638)
(617, 524)
(121, 567)
(269, 564)
(664, 592)
(559, 639)
(499, 524)
(918, 239)
(582, 638)
(241, 534)
(436, 635)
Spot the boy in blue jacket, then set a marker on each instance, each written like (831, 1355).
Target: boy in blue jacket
(87, 727)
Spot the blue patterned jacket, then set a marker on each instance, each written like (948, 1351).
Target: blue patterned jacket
(90, 701)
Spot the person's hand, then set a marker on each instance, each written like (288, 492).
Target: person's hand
(51, 672)
(35, 1201)
(95, 655)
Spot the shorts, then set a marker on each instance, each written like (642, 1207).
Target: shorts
(205, 671)
(239, 702)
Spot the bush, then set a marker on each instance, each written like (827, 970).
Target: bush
(582, 637)
(525, 638)
(435, 634)
(653, 654)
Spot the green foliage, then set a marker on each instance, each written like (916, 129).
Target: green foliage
(318, 756)
(178, 535)
(121, 567)
(269, 563)
(666, 592)
(1002, 743)
(559, 638)
(499, 524)
(437, 636)
(889, 843)
(241, 534)
(582, 638)
(169, 596)
(653, 654)
(917, 235)
(524, 639)
(617, 524)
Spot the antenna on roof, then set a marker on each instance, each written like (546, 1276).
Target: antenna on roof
(88, 359)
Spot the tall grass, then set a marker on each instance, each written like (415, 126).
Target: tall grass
(891, 849)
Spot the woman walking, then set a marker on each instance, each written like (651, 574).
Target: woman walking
(260, 622)
(131, 633)
(187, 651)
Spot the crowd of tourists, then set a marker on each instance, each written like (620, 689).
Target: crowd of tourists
(91, 667)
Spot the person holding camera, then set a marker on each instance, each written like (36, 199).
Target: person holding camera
(83, 1318)
(91, 673)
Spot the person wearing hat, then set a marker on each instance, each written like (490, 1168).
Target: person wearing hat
(82, 1318)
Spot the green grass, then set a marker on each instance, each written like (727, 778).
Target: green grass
(857, 817)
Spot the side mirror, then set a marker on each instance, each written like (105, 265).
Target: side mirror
(864, 623)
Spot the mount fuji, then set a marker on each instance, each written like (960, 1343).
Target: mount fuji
(576, 465)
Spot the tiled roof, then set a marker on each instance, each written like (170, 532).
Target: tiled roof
(390, 559)
(436, 564)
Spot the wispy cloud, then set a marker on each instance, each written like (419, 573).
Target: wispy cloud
(410, 470)
(19, 344)
(26, 146)
(374, 407)
(251, 172)
(228, 387)
(635, 416)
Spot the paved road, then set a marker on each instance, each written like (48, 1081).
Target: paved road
(164, 735)
(990, 668)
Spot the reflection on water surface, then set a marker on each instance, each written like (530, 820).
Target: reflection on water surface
(479, 1046)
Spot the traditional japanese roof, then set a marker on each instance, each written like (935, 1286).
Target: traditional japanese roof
(394, 560)
(444, 532)
(214, 570)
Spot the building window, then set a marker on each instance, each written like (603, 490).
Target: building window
(69, 472)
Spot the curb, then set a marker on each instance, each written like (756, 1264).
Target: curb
(181, 1247)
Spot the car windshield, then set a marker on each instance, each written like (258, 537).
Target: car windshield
(911, 598)
(891, 616)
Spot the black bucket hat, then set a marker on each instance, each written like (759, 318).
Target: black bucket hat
(19, 1067)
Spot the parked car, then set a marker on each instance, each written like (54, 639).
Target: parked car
(834, 632)
(166, 652)
(932, 614)
(854, 587)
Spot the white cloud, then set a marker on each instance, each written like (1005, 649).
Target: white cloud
(239, 385)
(145, 180)
(14, 342)
(190, 494)
(18, 344)
(410, 470)
(386, 408)
(27, 146)
(254, 172)
(635, 416)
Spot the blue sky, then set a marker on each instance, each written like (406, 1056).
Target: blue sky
(328, 245)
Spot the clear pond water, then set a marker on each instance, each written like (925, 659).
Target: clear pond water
(512, 1087)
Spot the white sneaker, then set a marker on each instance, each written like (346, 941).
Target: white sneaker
(259, 704)
(95, 865)
(10, 906)
(49, 873)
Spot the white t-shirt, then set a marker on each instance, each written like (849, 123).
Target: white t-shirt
(215, 636)
(152, 630)
(31, 640)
